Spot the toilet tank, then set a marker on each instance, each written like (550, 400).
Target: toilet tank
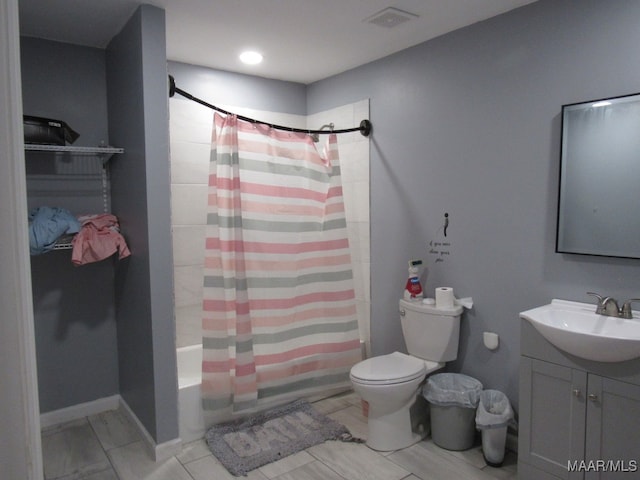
(430, 333)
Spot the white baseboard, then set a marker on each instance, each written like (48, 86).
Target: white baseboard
(157, 452)
(81, 410)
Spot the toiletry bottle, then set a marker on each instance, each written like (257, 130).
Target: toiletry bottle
(413, 289)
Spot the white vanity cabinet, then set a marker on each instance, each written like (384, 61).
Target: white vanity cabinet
(578, 419)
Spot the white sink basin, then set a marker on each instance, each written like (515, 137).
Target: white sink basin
(575, 328)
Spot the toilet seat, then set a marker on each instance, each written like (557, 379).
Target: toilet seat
(388, 369)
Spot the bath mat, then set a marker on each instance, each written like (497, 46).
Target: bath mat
(244, 445)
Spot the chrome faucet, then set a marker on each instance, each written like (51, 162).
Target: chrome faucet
(625, 310)
(609, 306)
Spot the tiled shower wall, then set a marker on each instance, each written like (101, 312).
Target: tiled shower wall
(354, 166)
(190, 129)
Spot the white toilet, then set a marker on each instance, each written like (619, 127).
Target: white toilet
(390, 383)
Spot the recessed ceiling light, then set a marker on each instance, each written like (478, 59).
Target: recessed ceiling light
(251, 57)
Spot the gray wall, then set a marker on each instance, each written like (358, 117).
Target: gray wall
(139, 122)
(74, 315)
(66, 82)
(469, 124)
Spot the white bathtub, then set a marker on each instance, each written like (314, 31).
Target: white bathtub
(191, 418)
(192, 422)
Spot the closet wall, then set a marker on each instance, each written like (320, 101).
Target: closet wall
(138, 95)
(107, 328)
(74, 313)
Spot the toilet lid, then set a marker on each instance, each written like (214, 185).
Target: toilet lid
(395, 367)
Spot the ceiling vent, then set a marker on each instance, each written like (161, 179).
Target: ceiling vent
(390, 17)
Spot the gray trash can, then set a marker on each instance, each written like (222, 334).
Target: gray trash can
(453, 398)
(493, 416)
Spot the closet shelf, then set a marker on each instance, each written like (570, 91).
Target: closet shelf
(105, 152)
(58, 171)
(64, 243)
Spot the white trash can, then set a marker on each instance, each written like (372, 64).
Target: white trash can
(493, 416)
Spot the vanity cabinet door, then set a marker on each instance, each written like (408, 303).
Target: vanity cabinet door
(613, 429)
(552, 419)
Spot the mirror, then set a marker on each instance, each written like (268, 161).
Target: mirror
(599, 200)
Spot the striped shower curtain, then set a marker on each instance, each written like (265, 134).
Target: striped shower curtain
(279, 315)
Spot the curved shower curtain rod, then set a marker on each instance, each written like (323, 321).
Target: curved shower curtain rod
(364, 128)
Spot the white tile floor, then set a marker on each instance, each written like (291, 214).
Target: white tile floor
(107, 447)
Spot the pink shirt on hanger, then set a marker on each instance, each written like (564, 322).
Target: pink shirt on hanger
(99, 238)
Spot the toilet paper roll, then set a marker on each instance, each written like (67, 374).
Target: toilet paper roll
(444, 297)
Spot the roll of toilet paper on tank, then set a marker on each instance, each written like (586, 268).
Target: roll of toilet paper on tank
(444, 297)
